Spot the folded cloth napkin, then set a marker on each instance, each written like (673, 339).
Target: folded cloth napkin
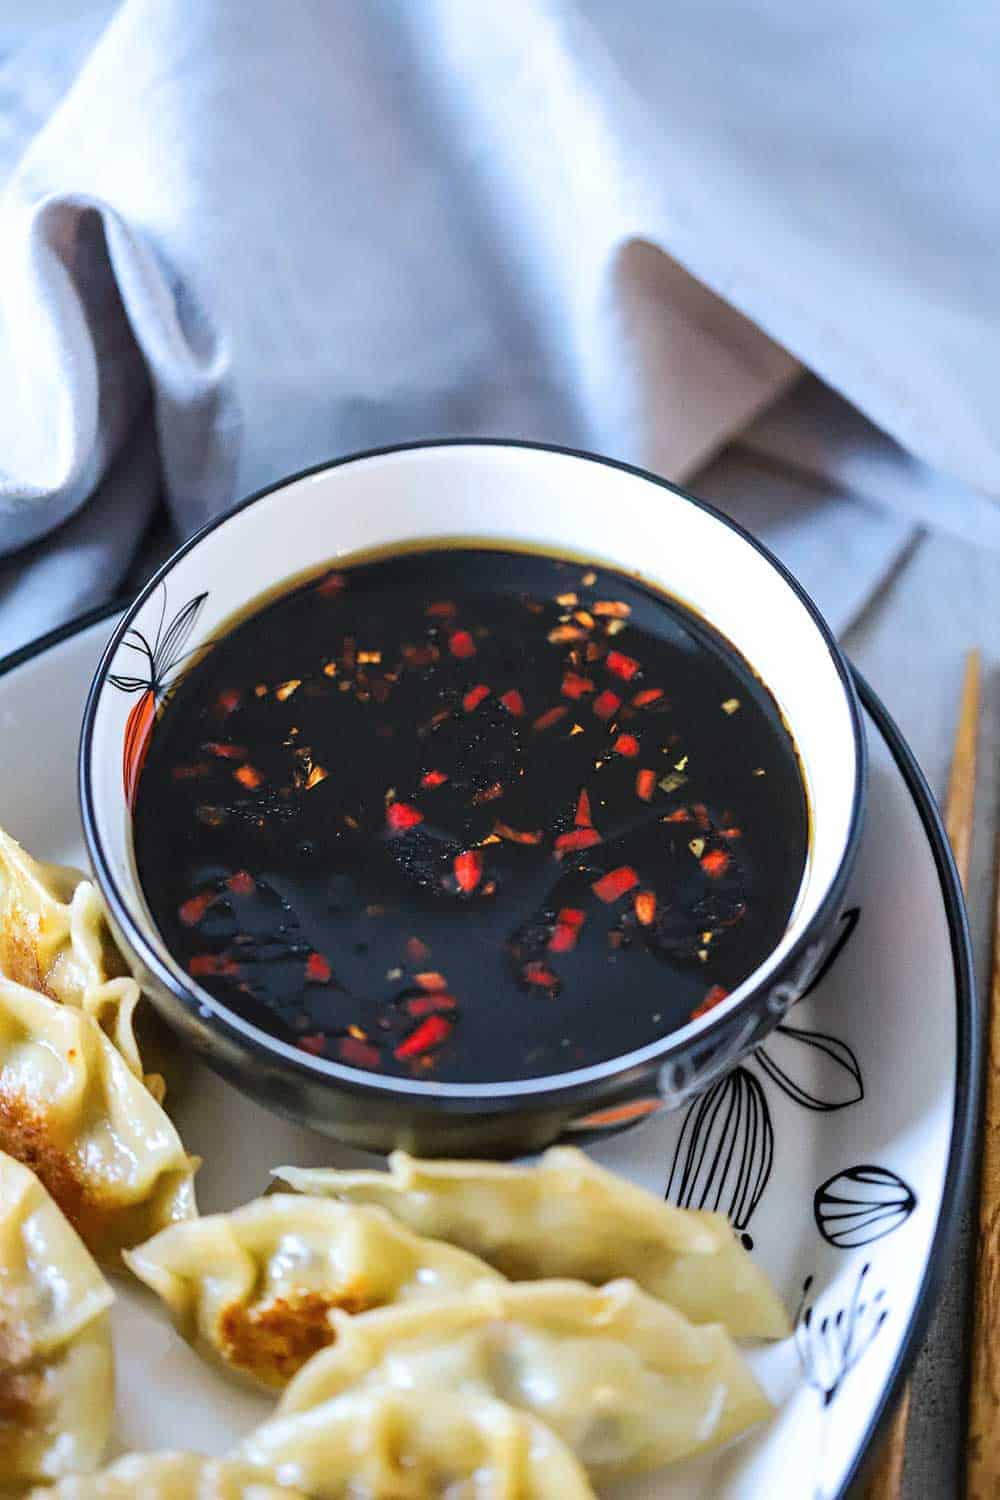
(253, 236)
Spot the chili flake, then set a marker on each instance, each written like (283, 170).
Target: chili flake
(715, 863)
(551, 716)
(430, 1033)
(582, 818)
(645, 785)
(284, 690)
(468, 869)
(192, 910)
(575, 686)
(615, 609)
(400, 817)
(248, 776)
(645, 907)
(623, 666)
(318, 969)
(647, 696)
(427, 1005)
(626, 744)
(475, 696)
(430, 979)
(607, 704)
(580, 838)
(615, 884)
(242, 883)
(461, 644)
(516, 835)
(513, 702)
(713, 997)
(433, 778)
(357, 1054)
(561, 635)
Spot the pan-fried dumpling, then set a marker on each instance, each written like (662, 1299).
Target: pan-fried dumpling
(56, 1371)
(389, 1444)
(54, 938)
(568, 1217)
(625, 1381)
(170, 1476)
(71, 1110)
(258, 1285)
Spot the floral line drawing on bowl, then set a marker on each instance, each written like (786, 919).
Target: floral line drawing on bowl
(163, 658)
(861, 1204)
(725, 1151)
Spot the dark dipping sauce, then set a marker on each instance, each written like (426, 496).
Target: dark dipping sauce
(470, 815)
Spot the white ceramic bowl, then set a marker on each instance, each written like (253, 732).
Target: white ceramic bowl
(567, 502)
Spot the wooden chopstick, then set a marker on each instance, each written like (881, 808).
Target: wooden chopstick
(982, 1472)
(886, 1479)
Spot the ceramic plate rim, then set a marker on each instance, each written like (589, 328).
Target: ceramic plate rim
(968, 1049)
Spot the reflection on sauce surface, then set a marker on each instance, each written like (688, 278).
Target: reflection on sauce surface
(470, 815)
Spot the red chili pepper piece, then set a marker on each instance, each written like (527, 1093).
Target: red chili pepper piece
(540, 974)
(475, 696)
(332, 585)
(606, 704)
(566, 930)
(430, 1033)
(701, 815)
(574, 685)
(228, 700)
(468, 869)
(224, 751)
(713, 997)
(441, 609)
(513, 702)
(248, 776)
(626, 744)
(206, 965)
(191, 773)
(433, 778)
(416, 951)
(583, 818)
(461, 644)
(623, 666)
(400, 817)
(429, 979)
(551, 716)
(318, 969)
(579, 838)
(242, 883)
(615, 883)
(679, 815)
(192, 910)
(715, 863)
(615, 609)
(428, 1005)
(646, 697)
(645, 907)
(645, 785)
(730, 833)
(314, 1042)
(359, 1054)
(488, 794)
(517, 835)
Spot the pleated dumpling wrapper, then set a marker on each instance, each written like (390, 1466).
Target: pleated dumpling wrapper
(56, 1370)
(568, 1217)
(388, 1444)
(625, 1381)
(257, 1286)
(171, 1476)
(54, 938)
(72, 1110)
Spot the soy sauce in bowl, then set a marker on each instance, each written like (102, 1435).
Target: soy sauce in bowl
(471, 815)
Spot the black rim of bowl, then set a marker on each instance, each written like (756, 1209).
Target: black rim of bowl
(549, 1091)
